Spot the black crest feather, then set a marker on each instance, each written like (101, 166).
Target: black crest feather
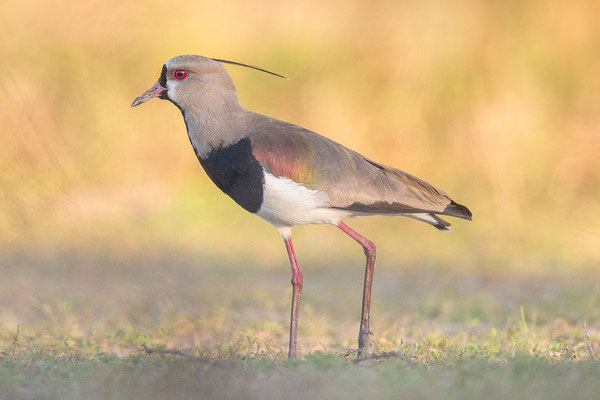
(247, 66)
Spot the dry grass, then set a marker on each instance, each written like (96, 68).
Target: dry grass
(495, 103)
(77, 323)
(98, 302)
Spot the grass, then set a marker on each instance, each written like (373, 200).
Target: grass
(318, 376)
(74, 323)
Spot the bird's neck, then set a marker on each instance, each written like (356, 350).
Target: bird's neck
(214, 127)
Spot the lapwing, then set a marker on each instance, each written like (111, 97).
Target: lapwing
(288, 175)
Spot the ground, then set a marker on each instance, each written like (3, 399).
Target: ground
(74, 323)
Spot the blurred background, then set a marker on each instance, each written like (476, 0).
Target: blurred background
(497, 103)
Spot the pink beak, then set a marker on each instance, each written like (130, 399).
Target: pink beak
(154, 91)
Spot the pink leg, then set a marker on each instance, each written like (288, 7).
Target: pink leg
(364, 338)
(297, 280)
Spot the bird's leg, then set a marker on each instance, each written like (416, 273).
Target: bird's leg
(364, 334)
(297, 279)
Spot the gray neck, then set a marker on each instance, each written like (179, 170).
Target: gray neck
(214, 127)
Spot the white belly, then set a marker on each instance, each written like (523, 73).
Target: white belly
(287, 203)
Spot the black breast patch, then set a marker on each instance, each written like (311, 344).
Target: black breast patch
(237, 173)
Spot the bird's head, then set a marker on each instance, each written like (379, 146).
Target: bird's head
(194, 82)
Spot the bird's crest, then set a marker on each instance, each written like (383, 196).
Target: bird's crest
(247, 66)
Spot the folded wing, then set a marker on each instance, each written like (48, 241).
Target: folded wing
(351, 181)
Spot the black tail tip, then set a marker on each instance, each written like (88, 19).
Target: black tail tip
(458, 210)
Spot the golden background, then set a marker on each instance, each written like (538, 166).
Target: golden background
(497, 103)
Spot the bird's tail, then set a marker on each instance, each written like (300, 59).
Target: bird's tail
(458, 210)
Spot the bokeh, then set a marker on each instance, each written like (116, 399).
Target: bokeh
(495, 102)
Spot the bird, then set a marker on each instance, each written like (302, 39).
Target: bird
(289, 175)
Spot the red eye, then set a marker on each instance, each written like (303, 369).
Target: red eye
(180, 74)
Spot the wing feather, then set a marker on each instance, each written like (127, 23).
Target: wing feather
(351, 181)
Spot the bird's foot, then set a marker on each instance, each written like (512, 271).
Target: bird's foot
(365, 347)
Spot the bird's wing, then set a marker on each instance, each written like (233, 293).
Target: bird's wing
(351, 181)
